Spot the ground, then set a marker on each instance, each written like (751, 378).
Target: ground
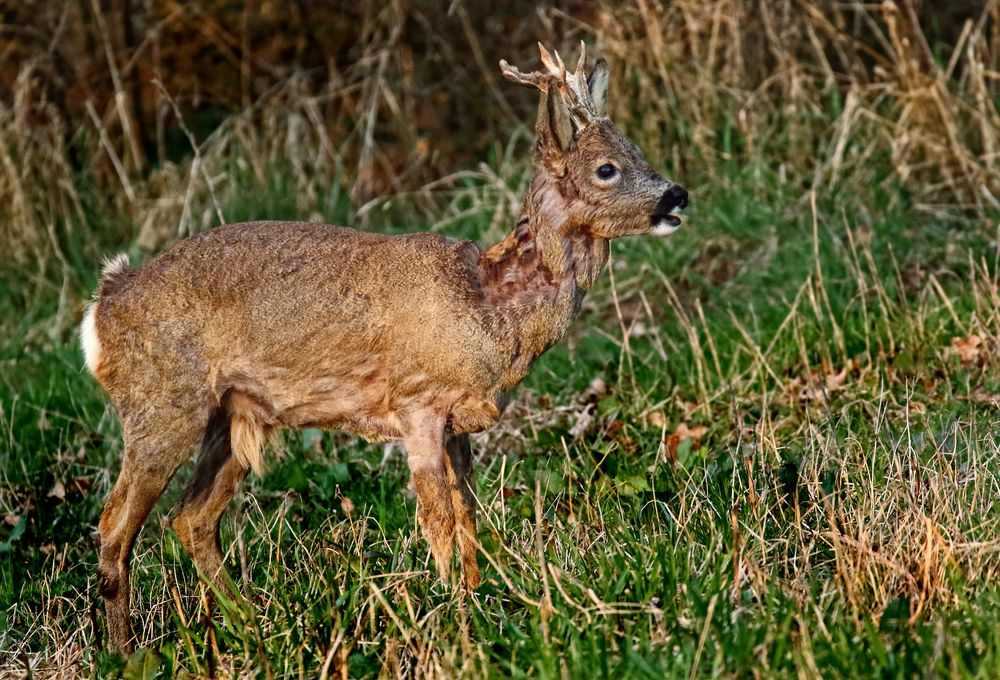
(768, 448)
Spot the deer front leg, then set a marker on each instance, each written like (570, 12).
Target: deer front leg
(423, 438)
(463, 502)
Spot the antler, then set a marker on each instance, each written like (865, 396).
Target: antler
(572, 86)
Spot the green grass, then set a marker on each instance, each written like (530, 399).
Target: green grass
(836, 516)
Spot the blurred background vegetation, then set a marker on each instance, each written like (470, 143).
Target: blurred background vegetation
(769, 448)
(133, 120)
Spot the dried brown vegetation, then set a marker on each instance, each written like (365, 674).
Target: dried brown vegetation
(150, 103)
(852, 395)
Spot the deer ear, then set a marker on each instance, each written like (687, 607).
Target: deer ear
(554, 128)
(597, 82)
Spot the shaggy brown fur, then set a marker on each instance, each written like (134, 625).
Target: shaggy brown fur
(250, 327)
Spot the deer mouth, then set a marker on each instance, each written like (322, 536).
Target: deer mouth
(664, 224)
(664, 221)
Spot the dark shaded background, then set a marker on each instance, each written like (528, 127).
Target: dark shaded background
(428, 68)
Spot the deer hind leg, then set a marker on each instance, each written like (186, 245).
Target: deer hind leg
(151, 457)
(195, 519)
(463, 502)
(424, 442)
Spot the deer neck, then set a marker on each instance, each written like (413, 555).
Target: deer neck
(535, 279)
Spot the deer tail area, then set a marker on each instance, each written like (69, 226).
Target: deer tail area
(113, 272)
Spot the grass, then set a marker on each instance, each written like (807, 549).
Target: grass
(769, 447)
(788, 467)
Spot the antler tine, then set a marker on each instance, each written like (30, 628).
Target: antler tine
(533, 79)
(562, 66)
(547, 61)
(581, 63)
(572, 87)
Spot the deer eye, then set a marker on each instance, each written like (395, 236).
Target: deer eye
(607, 171)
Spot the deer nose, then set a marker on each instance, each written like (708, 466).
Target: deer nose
(674, 198)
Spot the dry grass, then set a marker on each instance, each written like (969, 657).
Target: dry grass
(760, 65)
(884, 515)
(791, 468)
(701, 83)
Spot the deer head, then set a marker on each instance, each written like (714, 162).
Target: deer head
(606, 187)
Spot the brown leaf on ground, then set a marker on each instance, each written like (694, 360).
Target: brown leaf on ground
(79, 485)
(616, 431)
(595, 390)
(516, 490)
(819, 385)
(688, 408)
(657, 419)
(968, 350)
(680, 434)
(835, 381)
(980, 396)
(58, 490)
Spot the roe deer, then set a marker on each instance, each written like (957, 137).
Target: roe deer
(249, 327)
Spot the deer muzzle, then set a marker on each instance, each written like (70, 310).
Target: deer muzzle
(664, 220)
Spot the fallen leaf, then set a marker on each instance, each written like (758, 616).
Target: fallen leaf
(680, 434)
(595, 390)
(836, 380)
(688, 408)
(657, 419)
(966, 349)
(982, 397)
(826, 366)
(79, 485)
(58, 490)
(616, 430)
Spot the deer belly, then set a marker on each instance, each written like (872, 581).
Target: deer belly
(356, 402)
(362, 407)
(364, 403)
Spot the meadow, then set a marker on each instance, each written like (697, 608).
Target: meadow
(770, 447)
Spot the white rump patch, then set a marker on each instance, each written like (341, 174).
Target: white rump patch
(89, 341)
